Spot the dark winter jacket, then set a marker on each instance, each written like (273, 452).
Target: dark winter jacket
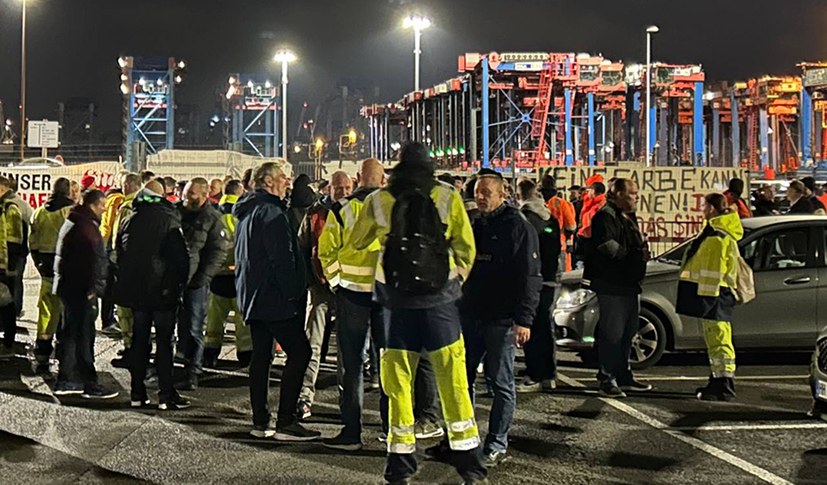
(505, 281)
(801, 206)
(309, 233)
(302, 198)
(763, 207)
(207, 243)
(151, 259)
(548, 235)
(616, 260)
(270, 274)
(80, 263)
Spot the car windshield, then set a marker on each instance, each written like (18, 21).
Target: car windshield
(675, 255)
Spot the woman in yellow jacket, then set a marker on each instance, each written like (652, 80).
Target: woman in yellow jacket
(706, 291)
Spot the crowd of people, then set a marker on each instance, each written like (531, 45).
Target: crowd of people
(430, 281)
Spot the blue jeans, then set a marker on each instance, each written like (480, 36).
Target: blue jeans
(619, 315)
(493, 343)
(76, 341)
(191, 318)
(356, 315)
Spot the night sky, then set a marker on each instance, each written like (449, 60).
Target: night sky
(74, 44)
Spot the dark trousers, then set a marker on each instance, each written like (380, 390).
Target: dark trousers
(107, 305)
(290, 334)
(8, 314)
(76, 341)
(493, 343)
(357, 318)
(17, 291)
(541, 348)
(426, 395)
(617, 326)
(164, 322)
(191, 318)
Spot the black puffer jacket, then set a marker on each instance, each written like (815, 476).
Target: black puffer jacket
(151, 260)
(207, 242)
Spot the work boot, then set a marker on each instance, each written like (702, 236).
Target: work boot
(42, 355)
(719, 389)
(708, 384)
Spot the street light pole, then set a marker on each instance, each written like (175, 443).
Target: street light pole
(418, 23)
(285, 57)
(23, 86)
(653, 29)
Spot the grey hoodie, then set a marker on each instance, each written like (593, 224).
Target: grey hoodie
(537, 207)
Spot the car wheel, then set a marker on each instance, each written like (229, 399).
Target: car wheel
(649, 341)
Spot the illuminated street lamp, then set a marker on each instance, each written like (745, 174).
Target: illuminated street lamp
(418, 24)
(285, 57)
(23, 84)
(652, 29)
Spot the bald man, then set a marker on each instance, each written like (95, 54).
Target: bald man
(319, 323)
(208, 247)
(352, 273)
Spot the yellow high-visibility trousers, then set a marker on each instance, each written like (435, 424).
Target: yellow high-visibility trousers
(718, 338)
(218, 309)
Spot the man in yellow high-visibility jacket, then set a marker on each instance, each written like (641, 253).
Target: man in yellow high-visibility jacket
(222, 299)
(430, 321)
(351, 274)
(45, 228)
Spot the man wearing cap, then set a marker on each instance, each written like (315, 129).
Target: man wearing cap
(810, 194)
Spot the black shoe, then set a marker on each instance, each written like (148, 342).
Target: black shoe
(122, 361)
(495, 458)
(63, 388)
(718, 389)
(339, 442)
(296, 433)
(112, 331)
(610, 390)
(439, 452)
(211, 357)
(176, 404)
(244, 358)
(144, 403)
(96, 391)
(304, 410)
(635, 386)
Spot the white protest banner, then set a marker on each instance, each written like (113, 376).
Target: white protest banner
(186, 164)
(670, 202)
(35, 183)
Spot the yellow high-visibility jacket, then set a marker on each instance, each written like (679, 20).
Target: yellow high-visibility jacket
(11, 232)
(343, 264)
(716, 264)
(374, 223)
(110, 214)
(124, 210)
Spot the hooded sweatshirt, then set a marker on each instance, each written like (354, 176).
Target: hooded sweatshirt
(548, 233)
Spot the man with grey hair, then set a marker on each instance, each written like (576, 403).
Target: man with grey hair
(208, 245)
(271, 282)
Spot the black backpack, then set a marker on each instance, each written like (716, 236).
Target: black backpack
(416, 251)
(548, 234)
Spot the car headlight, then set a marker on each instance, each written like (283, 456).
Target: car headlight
(575, 299)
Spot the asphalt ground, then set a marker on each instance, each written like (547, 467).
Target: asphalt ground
(571, 436)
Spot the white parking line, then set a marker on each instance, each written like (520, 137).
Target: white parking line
(701, 379)
(733, 460)
(751, 427)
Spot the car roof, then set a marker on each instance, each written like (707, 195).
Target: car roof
(754, 223)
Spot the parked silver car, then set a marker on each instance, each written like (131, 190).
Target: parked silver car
(818, 377)
(787, 254)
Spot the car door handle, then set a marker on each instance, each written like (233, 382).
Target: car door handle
(801, 280)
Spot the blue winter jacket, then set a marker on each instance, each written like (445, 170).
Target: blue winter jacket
(270, 274)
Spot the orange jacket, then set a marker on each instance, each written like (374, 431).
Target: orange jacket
(590, 207)
(743, 208)
(563, 211)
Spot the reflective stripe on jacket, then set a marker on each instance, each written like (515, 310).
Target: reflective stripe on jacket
(343, 264)
(715, 263)
(374, 223)
(225, 206)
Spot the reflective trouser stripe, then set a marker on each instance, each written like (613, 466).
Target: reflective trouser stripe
(125, 322)
(397, 371)
(218, 309)
(452, 383)
(49, 309)
(718, 337)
